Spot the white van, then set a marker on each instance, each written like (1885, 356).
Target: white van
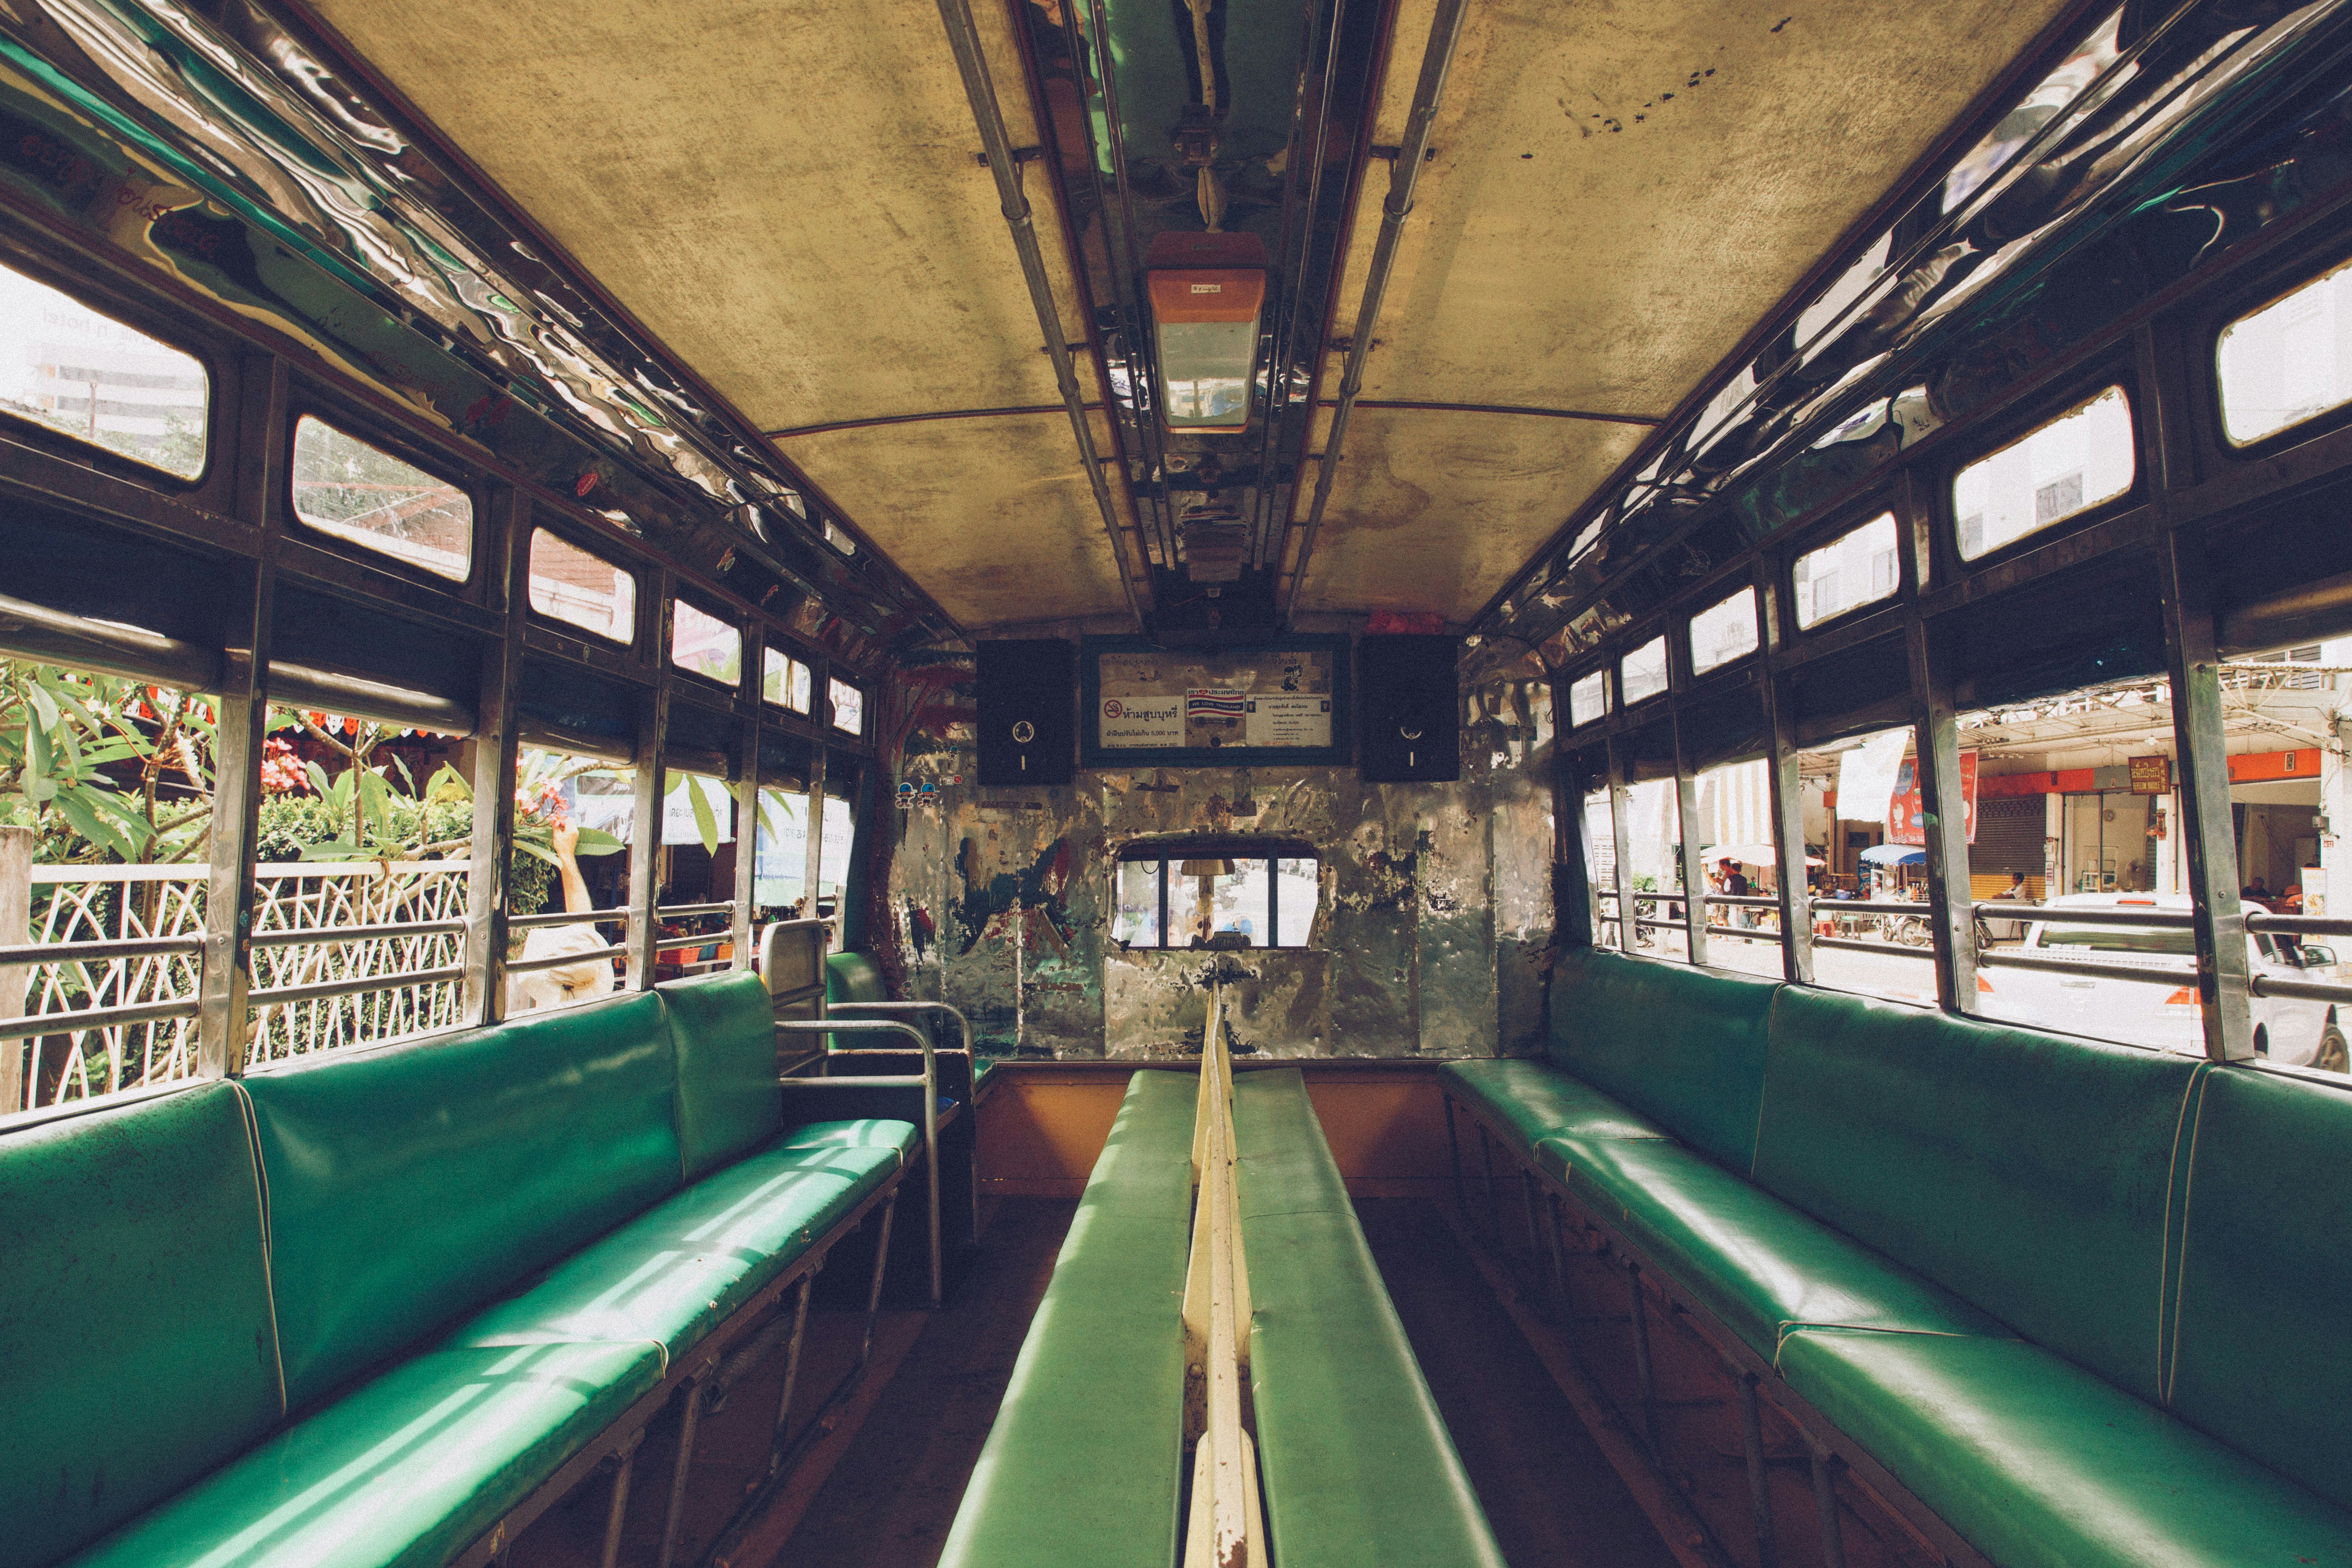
(2162, 1010)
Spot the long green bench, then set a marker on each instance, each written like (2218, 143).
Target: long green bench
(1081, 1468)
(381, 1308)
(2081, 1301)
(1359, 1468)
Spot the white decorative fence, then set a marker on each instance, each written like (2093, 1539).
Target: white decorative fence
(343, 955)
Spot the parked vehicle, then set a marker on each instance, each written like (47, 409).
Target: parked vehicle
(2161, 1010)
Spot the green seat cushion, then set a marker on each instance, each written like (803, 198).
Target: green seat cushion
(2262, 1359)
(1359, 1467)
(1530, 1100)
(2039, 1464)
(866, 1133)
(2030, 1172)
(408, 1186)
(672, 1275)
(723, 1029)
(853, 977)
(980, 1068)
(1682, 1047)
(403, 1472)
(1083, 1463)
(1756, 1263)
(135, 1299)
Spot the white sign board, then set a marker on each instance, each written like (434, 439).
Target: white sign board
(1136, 722)
(1289, 718)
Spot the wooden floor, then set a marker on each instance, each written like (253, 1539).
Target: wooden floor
(1553, 1500)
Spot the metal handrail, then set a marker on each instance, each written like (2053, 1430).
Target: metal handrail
(971, 1052)
(325, 989)
(95, 1018)
(1871, 906)
(2100, 915)
(1895, 948)
(2298, 925)
(568, 917)
(1746, 900)
(725, 909)
(2174, 975)
(2301, 990)
(557, 961)
(929, 1082)
(677, 944)
(97, 952)
(324, 936)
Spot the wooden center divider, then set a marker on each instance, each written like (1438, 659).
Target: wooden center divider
(1226, 1525)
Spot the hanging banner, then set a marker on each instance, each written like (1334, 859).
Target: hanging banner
(1907, 818)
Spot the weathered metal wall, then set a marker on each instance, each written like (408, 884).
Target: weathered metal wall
(1435, 920)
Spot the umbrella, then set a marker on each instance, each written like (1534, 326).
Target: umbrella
(1894, 855)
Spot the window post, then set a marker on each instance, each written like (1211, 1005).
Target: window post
(1621, 834)
(223, 1028)
(1788, 791)
(647, 808)
(1686, 806)
(821, 710)
(747, 793)
(1942, 795)
(496, 746)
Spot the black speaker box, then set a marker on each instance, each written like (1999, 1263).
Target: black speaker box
(1410, 709)
(1028, 711)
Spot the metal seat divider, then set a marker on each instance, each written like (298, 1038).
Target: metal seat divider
(928, 1081)
(971, 1061)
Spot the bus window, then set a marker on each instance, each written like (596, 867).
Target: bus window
(69, 369)
(702, 644)
(1221, 896)
(581, 588)
(1724, 632)
(1588, 698)
(1854, 569)
(784, 681)
(1643, 672)
(1739, 855)
(365, 496)
(1865, 937)
(2081, 459)
(848, 705)
(2288, 362)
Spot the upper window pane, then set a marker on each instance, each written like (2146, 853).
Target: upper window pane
(705, 645)
(1643, 672)
(580, 588)
(848, 707)
(2079, 460)
(784, 681)
(2289, 361)
(1588, 698)
(1851, 569)
(344, 487)
(65, 366)
(1723, 633)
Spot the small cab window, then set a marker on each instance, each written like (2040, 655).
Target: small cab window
(2288, 362)
(784, 681)
(365, 496)
(1218, 895)
(1643, 672)
(66, 368)
(848, 707)
(1854, 569)
(1724, 632)
(2083, 458)
(581, 588)
(1588, 698)
(701, 644)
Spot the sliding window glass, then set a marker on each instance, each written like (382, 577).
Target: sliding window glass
(1588, 698)
(1643, 672)
(701, 644)
(1854, 569)
(2288, 362)
(1724, 632)
(784, 681)
(780, 878)
(364, 495)
(581, 589)
(1600, 865)
(849, 704)
(66, 368)
(2081, 459)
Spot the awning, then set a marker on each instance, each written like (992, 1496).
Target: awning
(1894, 855)
(1749, 855)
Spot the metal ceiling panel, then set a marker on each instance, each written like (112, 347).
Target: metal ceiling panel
(1437, 508)
(990, 514)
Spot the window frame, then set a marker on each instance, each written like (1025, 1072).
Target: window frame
(124, 309)
(1607, 673)
(701, 607)
(1880, 507)
(2275, 285)
(572, 628)
(790, 655)
(1664, 642)
(831, 708)
(2079, 392)
(426, 459)
(1270, 852)
(1755, 621)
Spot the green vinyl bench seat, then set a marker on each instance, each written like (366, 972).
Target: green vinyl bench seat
(1358, 1468)
(1082, 1467)
(2078, 1300)
(361, 1310)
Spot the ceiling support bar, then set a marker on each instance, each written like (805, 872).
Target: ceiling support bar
(963, 37)
(1404, 173)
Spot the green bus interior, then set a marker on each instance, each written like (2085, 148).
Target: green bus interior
(1148, 784)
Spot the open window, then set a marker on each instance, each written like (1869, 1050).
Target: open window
(364, 495)
(1724, 632)
(2082, 459)
(701, 644)
(1216, 894)
(1856, 568)
(580, 588)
